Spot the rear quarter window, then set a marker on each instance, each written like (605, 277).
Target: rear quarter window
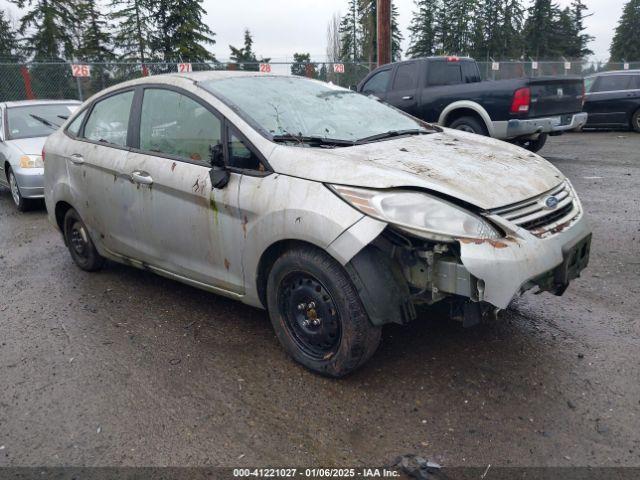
(443, 73)
(612, 83)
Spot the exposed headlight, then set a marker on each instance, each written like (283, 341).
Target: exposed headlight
(31, 161)
(420, 212)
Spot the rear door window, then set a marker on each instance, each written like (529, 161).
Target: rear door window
(174, 124)
(612, 83)
(378, 83)
(443, 73)
(406, 76)
(109, 120)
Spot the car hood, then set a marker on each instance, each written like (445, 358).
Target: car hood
(481, 171)
(28, 146)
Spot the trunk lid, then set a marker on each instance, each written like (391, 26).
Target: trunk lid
(555, 96)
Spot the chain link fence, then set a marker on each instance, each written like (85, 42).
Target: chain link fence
(56, 80)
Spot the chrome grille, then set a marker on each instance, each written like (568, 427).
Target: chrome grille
(540, 219)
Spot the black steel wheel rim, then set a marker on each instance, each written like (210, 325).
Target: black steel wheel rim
(310, 314)
(79, 240)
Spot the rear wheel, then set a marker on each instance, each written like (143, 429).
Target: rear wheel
(469, 124)
(22, 204)
(534, 145)
(317, 313)
(83, 251)
(635, 121)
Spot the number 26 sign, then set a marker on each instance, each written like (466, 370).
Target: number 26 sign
(80, 70)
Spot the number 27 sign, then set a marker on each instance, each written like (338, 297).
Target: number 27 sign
(184, 68)
(80, 70)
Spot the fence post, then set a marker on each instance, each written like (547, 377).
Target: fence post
(26, 77)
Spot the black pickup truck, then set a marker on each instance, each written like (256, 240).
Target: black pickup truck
(450, 92)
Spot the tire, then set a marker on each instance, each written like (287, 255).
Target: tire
(635, 121)
(83, 251)
(21, 203)
(469, 124)
(534, 145)
(317, 314)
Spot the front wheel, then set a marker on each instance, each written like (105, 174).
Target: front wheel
(317, 313)
(534, 145)
(83, 251)
(21, 203)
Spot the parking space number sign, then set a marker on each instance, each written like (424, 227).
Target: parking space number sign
(80, 70)
(184, 68)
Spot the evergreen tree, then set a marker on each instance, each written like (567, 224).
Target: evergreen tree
(626, 41)
(133, 28)
(351, 35)
(180, 34)
(511, 30)
(46, 28)
(454, 25)
(579, 9)
(539, 30)
(301, 64)
(422, 28)
(95, 41)
(8, 39)
(244, 57)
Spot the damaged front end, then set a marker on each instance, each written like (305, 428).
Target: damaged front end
(542, 249)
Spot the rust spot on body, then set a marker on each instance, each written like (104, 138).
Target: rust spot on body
(173, 166)
(245, 221)
(226, 264)
(480, 241)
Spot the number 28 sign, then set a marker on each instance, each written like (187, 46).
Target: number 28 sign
(265, 68)
(80, 70)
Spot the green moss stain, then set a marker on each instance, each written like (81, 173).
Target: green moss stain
(214, 207)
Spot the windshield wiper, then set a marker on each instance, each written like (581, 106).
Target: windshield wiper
(45, 121)
(313, 140)
(391, 134)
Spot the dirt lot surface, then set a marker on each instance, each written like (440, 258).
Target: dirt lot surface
(125, 368)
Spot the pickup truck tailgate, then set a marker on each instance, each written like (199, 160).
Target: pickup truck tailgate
(555, 96)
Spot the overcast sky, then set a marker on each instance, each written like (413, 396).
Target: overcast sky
(282, 27)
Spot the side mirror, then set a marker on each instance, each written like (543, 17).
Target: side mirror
(218, 173)
(216, 155)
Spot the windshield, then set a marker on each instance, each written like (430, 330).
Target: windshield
(300, 109)
(37, 120)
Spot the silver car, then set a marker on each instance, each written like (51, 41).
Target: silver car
(24, 127)
(336, 213)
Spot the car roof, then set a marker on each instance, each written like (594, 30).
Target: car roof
(27, 103)
(616, 72)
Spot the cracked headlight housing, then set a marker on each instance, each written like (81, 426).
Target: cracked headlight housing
(418, 212)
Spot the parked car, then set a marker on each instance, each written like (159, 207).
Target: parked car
(613, 100)
(24, 127)
(335, 212)
(449, 91)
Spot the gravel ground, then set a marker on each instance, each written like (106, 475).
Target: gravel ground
(123, 367)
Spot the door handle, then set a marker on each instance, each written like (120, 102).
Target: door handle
(143, 178)
(407, 97)
(76, 158)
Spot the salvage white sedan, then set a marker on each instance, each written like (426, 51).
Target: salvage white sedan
(334, 212)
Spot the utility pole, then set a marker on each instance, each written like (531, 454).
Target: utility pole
(383, 11)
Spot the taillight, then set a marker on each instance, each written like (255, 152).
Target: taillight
(453, 59)
(521, 100)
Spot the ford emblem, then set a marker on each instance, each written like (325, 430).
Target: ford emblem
(551, 203)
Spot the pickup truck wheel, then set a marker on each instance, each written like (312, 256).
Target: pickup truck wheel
(635, 121)
(534, 145)
(469, 124)
(83, 251)
(317, 313)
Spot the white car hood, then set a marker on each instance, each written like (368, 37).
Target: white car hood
(478, 170)
(28, 146)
